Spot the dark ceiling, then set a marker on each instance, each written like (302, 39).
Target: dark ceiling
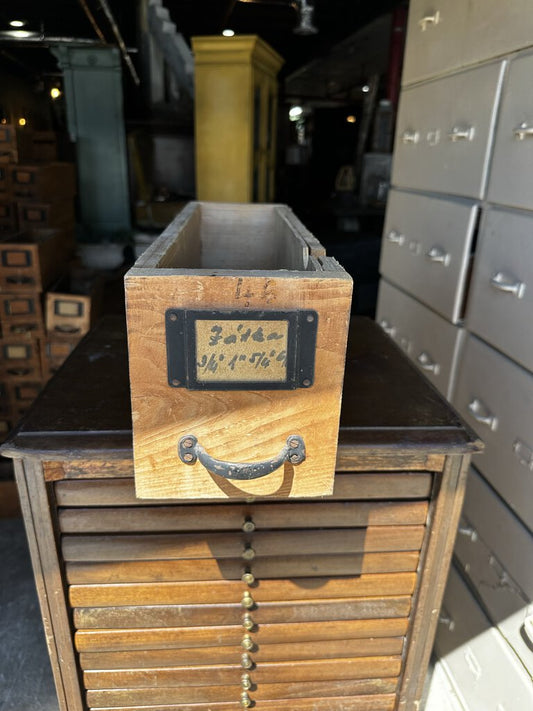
(273, 20)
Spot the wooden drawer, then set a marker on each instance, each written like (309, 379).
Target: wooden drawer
(46, 215)
(22, 394)
(241, 311)
(8, 215)
(20, 358)
(20, 307)
(432, 343)
(426, 249)
(500, 307)
(73, 305)
(48, 183)
(31, 261)
(484, 667)
(496, 396)
(444, 132)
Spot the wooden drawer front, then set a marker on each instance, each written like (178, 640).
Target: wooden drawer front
(20, 358)
(23, 393)
(68, 314)
(495, 396)
(8, 214)
(52, 181)
(426, 249)
(484, 667)
(432, 343)
(19, 267)
(500, 308)
(162, 615)
(444, 132)
(44, 215)
(511, 170)
(20, 307)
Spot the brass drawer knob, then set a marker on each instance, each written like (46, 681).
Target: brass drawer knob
(246, 701)
(248, 553)
(246, 661)
(248, 577)
(246, 682)
(247, 600)
(247, 643)
(248, 526)
(248, 623)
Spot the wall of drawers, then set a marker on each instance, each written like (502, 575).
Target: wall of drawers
(457, 295)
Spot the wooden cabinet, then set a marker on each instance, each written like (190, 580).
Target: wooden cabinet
(326, 603)
(236, 99)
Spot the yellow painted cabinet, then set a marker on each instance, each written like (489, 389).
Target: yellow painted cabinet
(235, 118)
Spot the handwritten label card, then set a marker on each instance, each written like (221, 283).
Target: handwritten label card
(240, 351)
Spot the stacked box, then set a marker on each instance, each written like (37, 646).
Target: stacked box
(73, 304)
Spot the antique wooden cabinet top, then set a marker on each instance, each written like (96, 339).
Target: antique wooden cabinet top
(388, 407)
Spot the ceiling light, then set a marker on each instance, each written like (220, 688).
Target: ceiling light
(350, 119)
(306, 26)
(18, 34)
(365, 89)
(295, 113)
(17, 23)
(22, 121)
(55, 93)
(228, 33)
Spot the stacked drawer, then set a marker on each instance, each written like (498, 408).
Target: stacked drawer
(464, 133)
(303, 605)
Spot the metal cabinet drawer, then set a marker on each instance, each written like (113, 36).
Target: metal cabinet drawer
(512, 163)
(426, 248)
(508, 605)
(431, 342)
(500, 308)
(444, 132)
(495, 396)
(481, 663)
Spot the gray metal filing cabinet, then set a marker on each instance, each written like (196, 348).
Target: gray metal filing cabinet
(457, 295)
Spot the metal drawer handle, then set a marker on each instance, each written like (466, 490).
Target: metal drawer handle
(438, 255)
(395, 237)
(468, 532)
(389, 329)
(528, 627)
(506, 284)
(523, 131)
(428, 20)
(427, 364)
(523, 453)
(446, 619)
(410, 136)
(461, 134)
(190, 450)
(481, 414)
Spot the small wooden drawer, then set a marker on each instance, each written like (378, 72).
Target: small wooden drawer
(8, 215)
(22, 394)
(20, 358)
(500, 307)
(19, 307)
(43, 215)
(72, 306)
(248, 324)
(31, 261)
(47, 183)
(496, 396)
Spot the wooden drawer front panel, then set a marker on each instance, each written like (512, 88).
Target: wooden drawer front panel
(163, 617)
(484, 667)
(432, 343)
(495, 396)
(53, 181)
(20, 359)
(46, 214)
(444, 132)
(426, 249)
(500, 306)
(20, 307)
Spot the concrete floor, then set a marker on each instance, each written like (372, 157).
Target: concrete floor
(26, 682)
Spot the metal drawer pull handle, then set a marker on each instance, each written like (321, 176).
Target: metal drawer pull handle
(480, 414)
(246, 682)
(248, 623)
(248, 526)
(395, 237)
(523, 131)
(389, 329)
(523, 453)
(503, 282)
(468, 532)
(190, 450)
(445, 619)
(246, 661)
(426, 363)
(528, 627)
(248, 553)
(438, 255)
(248, 577)
(461, 134)
(428, 20)
(246, 701)
(410, 136)
(247, 600)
